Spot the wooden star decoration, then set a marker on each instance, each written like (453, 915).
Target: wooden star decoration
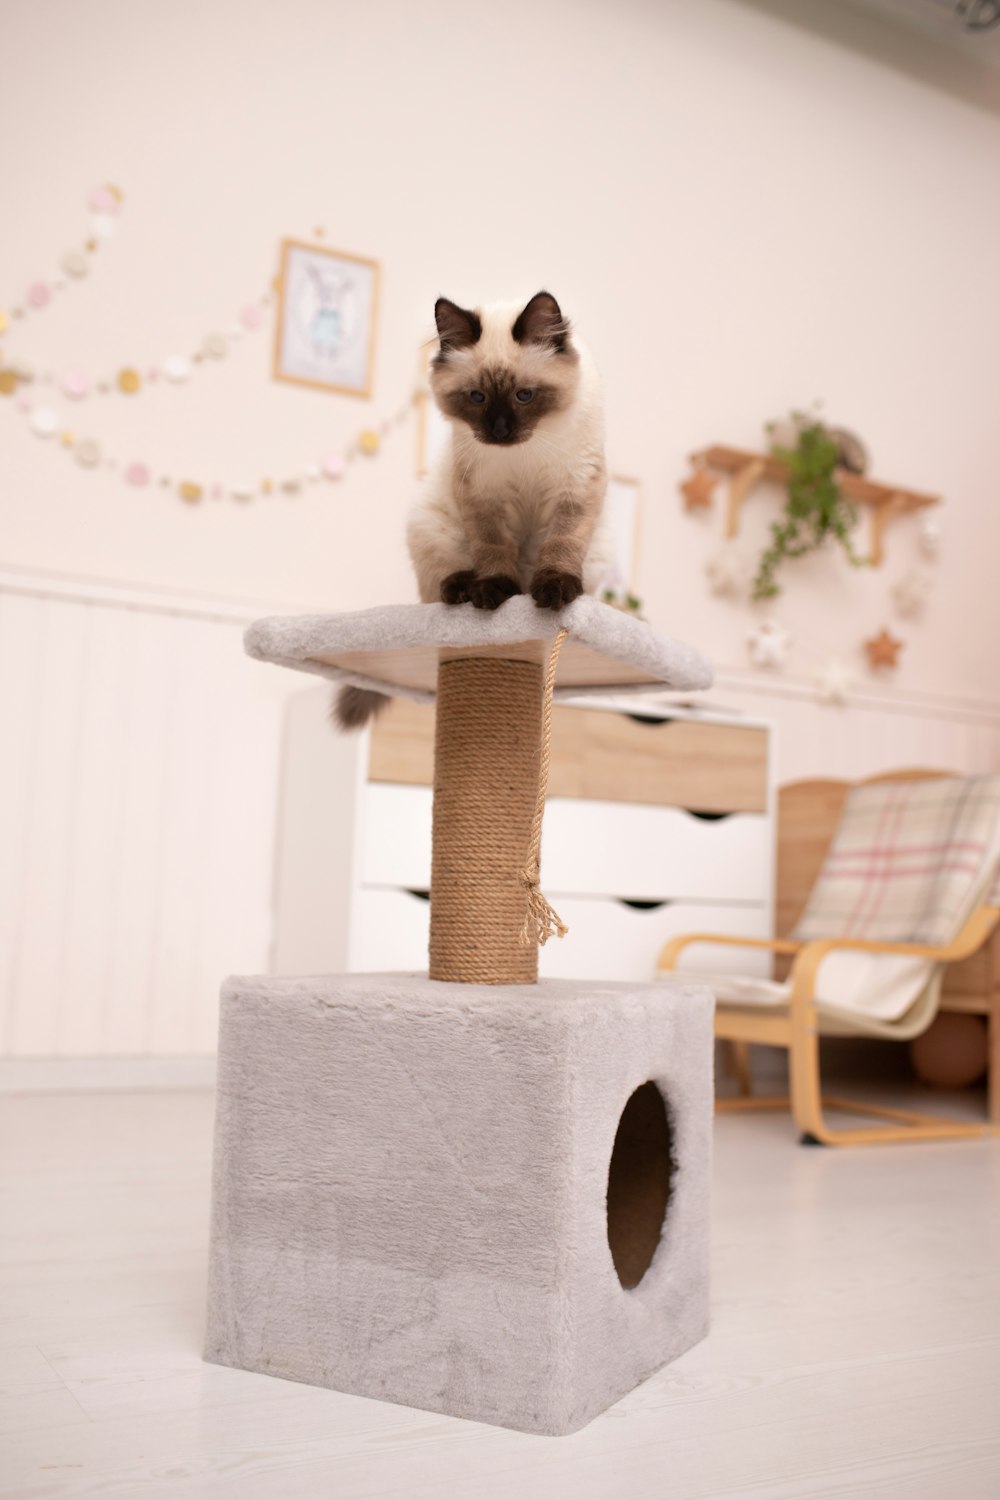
(697, 490)
(882, 650)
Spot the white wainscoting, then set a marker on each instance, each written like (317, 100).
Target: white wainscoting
(139, 766)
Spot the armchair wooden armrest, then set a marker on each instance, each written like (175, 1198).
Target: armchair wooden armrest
(797, 1029)
(810, 955)
(672, 949)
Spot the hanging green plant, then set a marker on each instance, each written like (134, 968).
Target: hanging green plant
(628, 603)
(816, 509)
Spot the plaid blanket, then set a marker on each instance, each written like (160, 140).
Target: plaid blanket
(909, 863)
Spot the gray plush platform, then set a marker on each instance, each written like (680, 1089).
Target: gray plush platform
(411, 1190)
(396, 648)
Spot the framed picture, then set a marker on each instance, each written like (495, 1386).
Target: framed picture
(325, 329)
(433, 430)
(623, 515)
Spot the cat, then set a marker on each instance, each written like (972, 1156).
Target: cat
(515, 503)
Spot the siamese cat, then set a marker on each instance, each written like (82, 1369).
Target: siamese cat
(515, 504)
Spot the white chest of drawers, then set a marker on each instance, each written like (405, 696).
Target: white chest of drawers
(659, 821)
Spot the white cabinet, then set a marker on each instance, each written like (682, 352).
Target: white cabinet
(589, 848)
(624, 875)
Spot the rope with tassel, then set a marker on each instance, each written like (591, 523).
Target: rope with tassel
(541, 920)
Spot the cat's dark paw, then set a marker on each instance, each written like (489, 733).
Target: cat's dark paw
(490, 593)
(455, 588)
(551, 589)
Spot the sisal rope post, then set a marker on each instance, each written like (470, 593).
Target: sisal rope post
(491, 764)
(486, 759)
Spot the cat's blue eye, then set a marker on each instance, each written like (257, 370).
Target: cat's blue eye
(524, 395)
(477, 397)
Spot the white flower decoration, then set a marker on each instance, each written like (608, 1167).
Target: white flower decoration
(930, 536)
(836, 682)
(912, 591)
(769, 644)
(728, 571)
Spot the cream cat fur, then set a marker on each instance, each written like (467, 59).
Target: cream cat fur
(515, 503)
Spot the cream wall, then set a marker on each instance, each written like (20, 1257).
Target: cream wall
(741, 214)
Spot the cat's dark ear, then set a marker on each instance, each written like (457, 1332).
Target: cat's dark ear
(541, 322)
(457, 327)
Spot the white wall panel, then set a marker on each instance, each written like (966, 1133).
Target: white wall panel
(138, 785)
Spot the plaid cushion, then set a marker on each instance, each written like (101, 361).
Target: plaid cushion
(909, 863)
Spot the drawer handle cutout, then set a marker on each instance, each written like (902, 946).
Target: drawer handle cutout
(654, 721)
(644, 905)
(707, 817)
(420, 895)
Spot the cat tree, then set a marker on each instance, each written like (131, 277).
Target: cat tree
(468, 1191)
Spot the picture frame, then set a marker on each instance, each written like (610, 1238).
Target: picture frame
(623, 516)
(324, 332)
(433, 429)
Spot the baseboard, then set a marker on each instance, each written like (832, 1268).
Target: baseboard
(76, 1075)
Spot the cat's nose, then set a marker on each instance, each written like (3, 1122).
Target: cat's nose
(501, 427)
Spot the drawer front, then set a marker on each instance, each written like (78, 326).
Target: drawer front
(401, 748)
(389, 932)
(624, 757)
(607, 939)
(610, 940)
(616, 849)
(591, 848)
(396, 835)
(607, 756)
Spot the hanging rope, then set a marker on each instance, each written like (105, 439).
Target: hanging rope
(541, 920)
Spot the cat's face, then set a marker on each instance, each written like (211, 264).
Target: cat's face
(502, 371)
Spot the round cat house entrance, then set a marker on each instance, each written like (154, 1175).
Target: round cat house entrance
(639, 1178)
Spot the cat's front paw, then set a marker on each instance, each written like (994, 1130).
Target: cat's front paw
(551, 589)
(490, 593)
(455, 588)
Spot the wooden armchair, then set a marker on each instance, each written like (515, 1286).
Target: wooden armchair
(808, 816)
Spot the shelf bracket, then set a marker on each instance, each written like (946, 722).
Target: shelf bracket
(740, 485)
(746, 469)
(882, 514)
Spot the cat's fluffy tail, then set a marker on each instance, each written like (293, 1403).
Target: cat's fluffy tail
(352, 707)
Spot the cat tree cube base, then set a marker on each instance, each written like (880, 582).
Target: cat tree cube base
(448, 1196)
(470, 1193)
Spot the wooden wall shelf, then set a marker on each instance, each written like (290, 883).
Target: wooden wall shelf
(749, 469)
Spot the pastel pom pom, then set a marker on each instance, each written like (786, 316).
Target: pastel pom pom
(103, 200)
(75, 385)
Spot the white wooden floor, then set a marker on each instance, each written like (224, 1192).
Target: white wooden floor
(855, 1346)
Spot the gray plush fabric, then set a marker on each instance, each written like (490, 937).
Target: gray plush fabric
(289, 641)
(410, 1190)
